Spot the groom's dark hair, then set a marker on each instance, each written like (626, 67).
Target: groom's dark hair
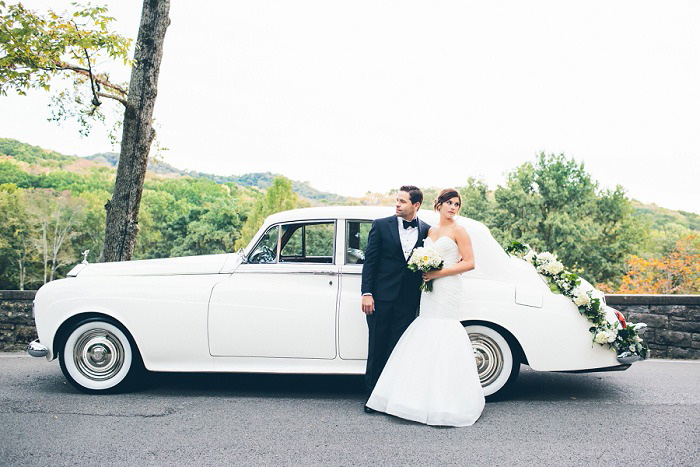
(414, 193)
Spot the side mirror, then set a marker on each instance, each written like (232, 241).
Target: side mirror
(241, 253)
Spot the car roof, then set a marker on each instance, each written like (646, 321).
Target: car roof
(331, 212)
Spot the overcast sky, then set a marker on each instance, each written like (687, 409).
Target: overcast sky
(368, 95)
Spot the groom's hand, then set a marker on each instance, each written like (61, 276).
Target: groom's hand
(367, 304)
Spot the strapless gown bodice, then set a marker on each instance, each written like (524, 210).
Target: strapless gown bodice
(444, 300)
(446, 247)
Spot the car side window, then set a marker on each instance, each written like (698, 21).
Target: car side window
(356, 241)
(307, 242)
(319, 240)
(266, 250)
(292, 243)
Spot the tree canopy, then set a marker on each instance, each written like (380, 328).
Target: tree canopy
(554, 205)
(38, 47)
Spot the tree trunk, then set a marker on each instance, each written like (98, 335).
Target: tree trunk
(45, 247)
(122, 223)
(20, 262)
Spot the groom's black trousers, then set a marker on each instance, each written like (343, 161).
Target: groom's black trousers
(386, 325)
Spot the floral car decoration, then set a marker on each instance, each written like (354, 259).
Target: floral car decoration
(623, 337)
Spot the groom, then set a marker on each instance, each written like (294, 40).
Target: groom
(390, 291)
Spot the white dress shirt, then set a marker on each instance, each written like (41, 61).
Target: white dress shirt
(408, 238)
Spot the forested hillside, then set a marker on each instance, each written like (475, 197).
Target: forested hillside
(52, 209)
(37, 156)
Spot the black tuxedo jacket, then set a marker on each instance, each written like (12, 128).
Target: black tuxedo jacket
(385, 270)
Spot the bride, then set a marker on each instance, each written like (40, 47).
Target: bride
(431, 375)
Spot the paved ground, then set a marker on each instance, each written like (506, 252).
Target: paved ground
(647, 415)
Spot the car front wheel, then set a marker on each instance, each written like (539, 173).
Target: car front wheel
(98, 357)
(496, 362)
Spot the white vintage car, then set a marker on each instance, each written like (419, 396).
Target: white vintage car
(290, 303)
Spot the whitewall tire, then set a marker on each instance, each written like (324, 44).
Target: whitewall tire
(97, 356)
(496, 361)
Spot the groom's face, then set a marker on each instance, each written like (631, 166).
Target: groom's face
(404, 208)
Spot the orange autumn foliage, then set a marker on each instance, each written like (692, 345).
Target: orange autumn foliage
(676, 273)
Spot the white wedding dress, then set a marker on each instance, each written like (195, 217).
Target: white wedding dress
(431, 375)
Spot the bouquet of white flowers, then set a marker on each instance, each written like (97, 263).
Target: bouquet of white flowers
(425, 259)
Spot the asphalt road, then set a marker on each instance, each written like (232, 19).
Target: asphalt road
(647, 415)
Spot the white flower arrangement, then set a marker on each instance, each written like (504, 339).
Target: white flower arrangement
(425, 259)
(625, 340)
(554, 268)
(605, 336)
(582, 298)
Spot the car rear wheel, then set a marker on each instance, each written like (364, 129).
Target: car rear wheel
(97, 356)
(497, 363)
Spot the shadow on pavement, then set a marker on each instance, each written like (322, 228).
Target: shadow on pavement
(255, 385)
(530, 385)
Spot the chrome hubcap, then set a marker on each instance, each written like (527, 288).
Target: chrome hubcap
(98, 354)
(489, 358)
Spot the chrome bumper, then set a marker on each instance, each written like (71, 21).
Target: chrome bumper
(627, 358)
(35, 349)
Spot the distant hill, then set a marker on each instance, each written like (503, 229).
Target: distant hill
(33, 155)
(261, 180)
(664, 216)
(52, 160)
(48, 160)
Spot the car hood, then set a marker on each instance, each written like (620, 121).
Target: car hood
(204, 264)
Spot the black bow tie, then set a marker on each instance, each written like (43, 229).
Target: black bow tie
(413, 223)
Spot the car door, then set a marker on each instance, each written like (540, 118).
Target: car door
(352, 324)
(282, 302)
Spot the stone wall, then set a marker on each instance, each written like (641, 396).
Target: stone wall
(673, 320)
(16, 322)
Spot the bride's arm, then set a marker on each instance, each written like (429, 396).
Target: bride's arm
(464, 243)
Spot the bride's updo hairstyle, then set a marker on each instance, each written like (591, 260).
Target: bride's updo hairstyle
(446, 194)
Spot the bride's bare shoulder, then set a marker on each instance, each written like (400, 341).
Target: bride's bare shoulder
(460, 233)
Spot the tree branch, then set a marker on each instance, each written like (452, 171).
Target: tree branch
(112, 96)
(95, 100)
(83, 71)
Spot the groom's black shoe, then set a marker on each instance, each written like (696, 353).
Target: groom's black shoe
(369, 410)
